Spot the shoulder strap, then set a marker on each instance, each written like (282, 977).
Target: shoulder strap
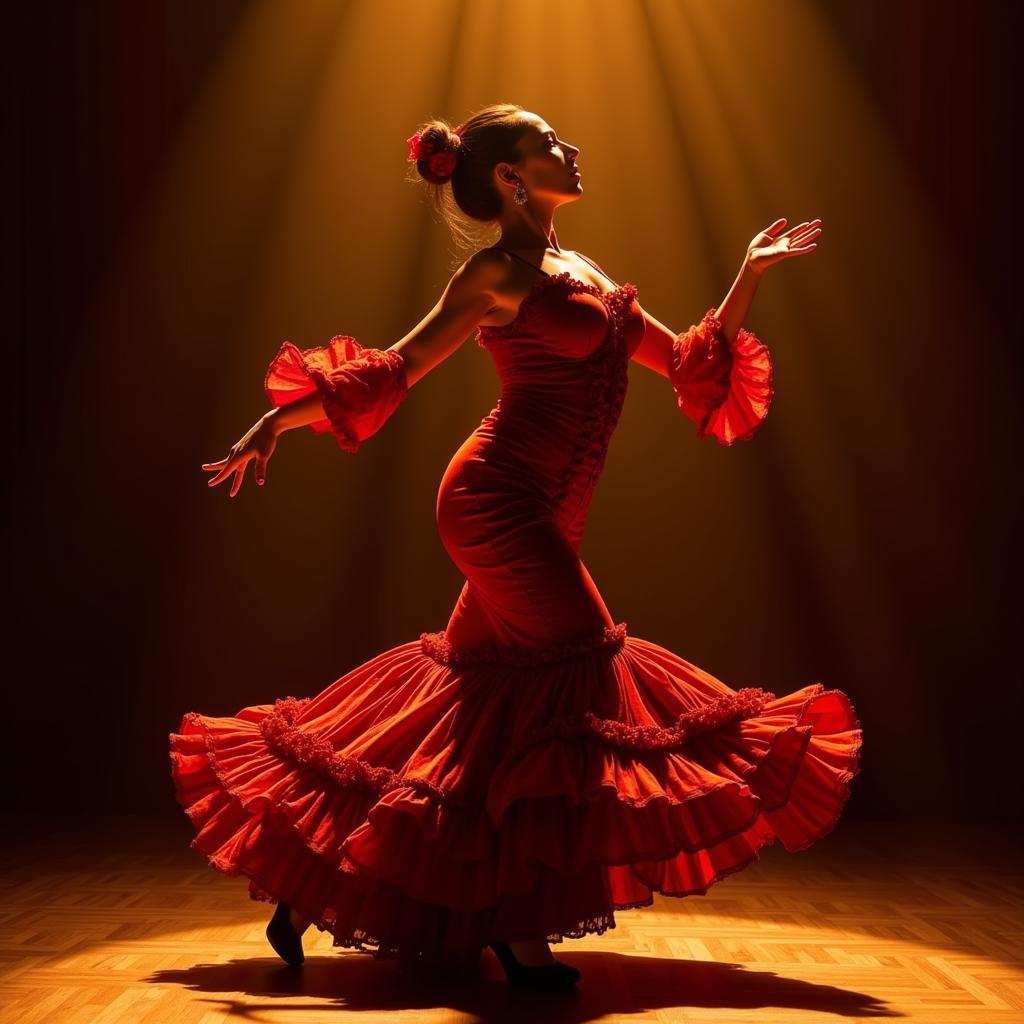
(527, 262)
(596, 267)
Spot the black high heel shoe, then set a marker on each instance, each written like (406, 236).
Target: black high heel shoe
(539, 977)
(287, 942)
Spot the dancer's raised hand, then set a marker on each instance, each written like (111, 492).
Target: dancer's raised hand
(769, 246)
(258, 443)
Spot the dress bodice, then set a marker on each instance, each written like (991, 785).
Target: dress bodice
(564, 317)
(562, 362)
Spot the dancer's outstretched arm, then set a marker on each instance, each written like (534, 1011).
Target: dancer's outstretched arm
(721, 373)
(350, 390)
(767, 247)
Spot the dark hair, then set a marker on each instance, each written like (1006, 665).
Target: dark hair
(485, 139)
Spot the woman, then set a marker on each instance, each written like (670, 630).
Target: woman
(517, 777)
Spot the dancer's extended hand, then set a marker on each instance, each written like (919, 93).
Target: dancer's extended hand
(769, 246)
(258, 443)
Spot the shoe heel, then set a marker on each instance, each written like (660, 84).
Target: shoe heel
(539, 977)
(285, 940)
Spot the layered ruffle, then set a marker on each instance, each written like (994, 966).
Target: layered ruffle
(726, 389)
(424, 807)
(359, 387)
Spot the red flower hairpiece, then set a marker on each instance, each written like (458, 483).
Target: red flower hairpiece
(441, 162)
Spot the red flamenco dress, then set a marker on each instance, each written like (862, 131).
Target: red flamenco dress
(531, 768)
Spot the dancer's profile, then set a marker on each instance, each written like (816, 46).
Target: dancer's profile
(516, 777)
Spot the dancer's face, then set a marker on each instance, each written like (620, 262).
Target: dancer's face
(547, 164)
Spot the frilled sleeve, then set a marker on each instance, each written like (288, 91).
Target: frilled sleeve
(725, 389)
(359, 387)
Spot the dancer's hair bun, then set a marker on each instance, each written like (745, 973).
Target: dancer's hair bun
(435, 148)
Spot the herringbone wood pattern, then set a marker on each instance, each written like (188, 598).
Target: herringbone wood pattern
(116, 919)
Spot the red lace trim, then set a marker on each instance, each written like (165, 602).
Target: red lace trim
(438, 647)
(609, 369)
(563, 279)
(716, 332)
(365, 942)
(307, 750)
(745, 703)
(289, 741)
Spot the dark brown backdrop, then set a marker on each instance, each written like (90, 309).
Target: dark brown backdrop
(111, 640)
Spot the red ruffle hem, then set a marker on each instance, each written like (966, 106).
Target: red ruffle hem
(432, 801)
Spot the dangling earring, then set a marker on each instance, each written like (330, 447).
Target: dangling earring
(520, 194)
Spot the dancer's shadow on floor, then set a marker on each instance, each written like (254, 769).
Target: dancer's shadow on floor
(612, 983)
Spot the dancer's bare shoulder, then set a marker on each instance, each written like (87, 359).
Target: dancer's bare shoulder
(508, 282)
(466, 300)
(487, 271)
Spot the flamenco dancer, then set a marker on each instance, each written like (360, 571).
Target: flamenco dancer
(515, 778)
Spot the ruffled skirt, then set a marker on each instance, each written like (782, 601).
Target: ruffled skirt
(430, 802)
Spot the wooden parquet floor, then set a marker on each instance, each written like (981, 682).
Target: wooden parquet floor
(111, 919)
